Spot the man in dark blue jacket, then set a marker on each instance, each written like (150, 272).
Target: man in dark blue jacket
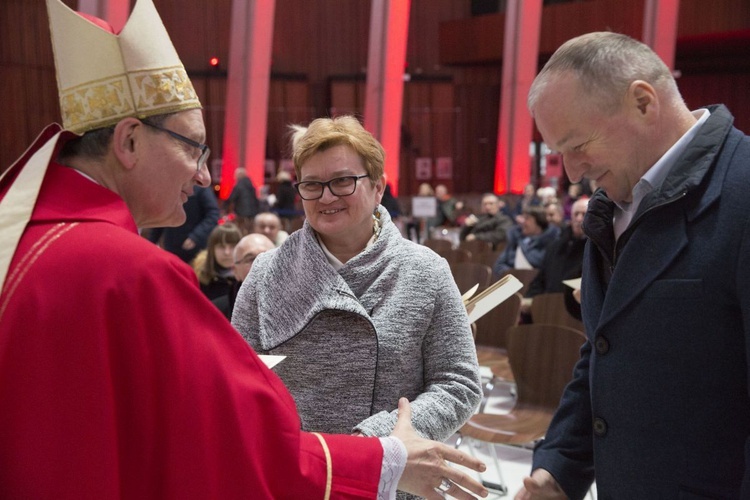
(658, 406)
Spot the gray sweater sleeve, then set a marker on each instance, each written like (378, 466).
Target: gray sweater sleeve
(452, 389)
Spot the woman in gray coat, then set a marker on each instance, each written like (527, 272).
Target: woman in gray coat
(363, 315)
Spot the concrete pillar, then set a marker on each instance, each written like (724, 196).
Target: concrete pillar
(523, 19)
(248, 79)
(660, 28)
(389, 30)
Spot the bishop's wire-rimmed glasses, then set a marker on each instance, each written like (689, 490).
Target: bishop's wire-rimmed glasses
(340, 186)
(205, 150)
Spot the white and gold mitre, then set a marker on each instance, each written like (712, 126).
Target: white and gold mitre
(103, 77)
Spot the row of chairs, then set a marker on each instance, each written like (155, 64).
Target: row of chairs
(536, 359)
(477, 251)
(541, 359)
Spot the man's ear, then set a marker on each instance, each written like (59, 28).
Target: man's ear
(126, 140)
(643, 98)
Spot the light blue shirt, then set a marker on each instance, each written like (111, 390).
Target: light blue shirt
(654, 177)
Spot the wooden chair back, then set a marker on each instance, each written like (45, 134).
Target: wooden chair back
(491, 257)
(437, 245)
(492, 327)
(549, 308)
(468, 274)
(455, 256)
(476, 247)
(525, 276)
(542, 358)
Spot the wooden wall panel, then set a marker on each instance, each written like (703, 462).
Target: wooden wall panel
(480, 39)
(479, 105)
(424, 29)
(321, 38)
(213, 99)
(698, 17)
(429, 130)
(325, 41)
(288, 104)
(722, 88)
(199, 29)
(346, 98)
(443, 113)
(416, 133)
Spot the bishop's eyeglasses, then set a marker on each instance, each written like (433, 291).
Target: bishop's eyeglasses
(340, 186)
(205, 150)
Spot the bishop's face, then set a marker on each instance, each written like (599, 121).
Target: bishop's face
(166, 171)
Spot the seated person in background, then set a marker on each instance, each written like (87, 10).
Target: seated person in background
(562, 261)
(555, 214)
(214, 264)
(546, 194)
(527, 242)
(448, 208)
(269, 224)
(491, 225)
(245, 252)
(418, 228)
(528, 199)
(364, 315)
(286, 199)
(391, 203)
(185, 241)
(574, 193)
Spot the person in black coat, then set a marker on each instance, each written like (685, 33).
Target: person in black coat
(658, 405)
(562, 261)
(286, 199)
(243, 201)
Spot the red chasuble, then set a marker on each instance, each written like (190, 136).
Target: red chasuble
(118, 379)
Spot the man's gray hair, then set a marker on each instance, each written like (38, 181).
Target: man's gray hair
(606, 64)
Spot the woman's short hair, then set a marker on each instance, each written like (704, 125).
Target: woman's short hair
(325, 133)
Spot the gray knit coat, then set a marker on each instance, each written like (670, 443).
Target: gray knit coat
(389, 323)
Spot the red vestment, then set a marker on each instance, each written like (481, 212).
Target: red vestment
(119, 379)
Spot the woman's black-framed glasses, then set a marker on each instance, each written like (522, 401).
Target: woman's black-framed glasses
(205, 150)
(340, 186)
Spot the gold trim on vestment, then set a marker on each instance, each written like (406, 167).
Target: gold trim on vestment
(329, 465)
(37, 249)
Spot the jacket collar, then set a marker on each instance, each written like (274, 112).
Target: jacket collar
(283, 315)
(696, 177)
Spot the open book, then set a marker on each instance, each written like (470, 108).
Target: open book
(491, 297)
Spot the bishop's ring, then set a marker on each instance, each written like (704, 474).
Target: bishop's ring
(445, 485)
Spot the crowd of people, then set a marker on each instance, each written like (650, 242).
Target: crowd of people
(125, 372)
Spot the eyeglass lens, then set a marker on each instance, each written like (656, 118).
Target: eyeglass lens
(340, 186)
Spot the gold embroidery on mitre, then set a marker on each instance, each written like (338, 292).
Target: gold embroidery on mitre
(163, 88)
(96, 104)
(103, 103)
